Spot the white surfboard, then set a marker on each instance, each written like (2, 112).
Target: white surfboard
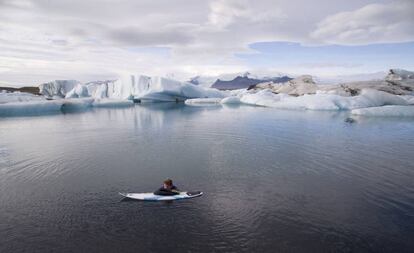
(152, 197)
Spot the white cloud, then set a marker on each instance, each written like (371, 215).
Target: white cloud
(226, 12)
(373, 23)
(42, 39)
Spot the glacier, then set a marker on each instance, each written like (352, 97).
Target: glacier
(57, 88)
(131, 87)
(72, 95)
(300, 93)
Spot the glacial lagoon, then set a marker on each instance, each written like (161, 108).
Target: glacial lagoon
(273, 180)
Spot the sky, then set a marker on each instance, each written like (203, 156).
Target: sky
(44, 40)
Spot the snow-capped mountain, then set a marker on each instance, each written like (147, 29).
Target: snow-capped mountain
(236, 81)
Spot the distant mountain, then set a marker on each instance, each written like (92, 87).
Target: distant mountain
(28, 89)
(194, 80)
(245, 81)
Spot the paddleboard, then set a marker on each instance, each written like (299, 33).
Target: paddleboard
(152, 197)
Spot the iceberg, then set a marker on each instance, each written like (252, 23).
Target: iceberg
(386, 111)
(321, 101)
(78, 91)
(57, 88)
(231, 100)
(10, 97)
(160, 89)
(30, 108)
(130, 87)
(69, 105)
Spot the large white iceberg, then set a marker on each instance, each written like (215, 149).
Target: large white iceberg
(57, 88)
(164, 89)
(367, 98)
(78, 91)
(130, 87)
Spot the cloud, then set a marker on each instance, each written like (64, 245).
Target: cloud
(43, 39)
(227, 12)
(373, 23)
(133, 36)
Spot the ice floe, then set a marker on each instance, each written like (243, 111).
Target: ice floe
(30, 108)
(322, 101)
(386, 111)
(159, 89)
(301, 93)
(10, 97)
(231, 100)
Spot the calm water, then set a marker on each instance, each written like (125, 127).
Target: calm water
(274, 181)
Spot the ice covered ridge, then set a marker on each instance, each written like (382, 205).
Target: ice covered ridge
(301, 93)
(28, 104)
(131, 87)
(73, 95)
(360, 104)
(322, 101)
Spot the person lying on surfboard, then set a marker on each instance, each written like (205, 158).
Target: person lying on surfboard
(167, 189)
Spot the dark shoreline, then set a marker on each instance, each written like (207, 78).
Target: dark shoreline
(28, 89)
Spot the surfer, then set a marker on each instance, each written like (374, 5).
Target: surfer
(167, 189)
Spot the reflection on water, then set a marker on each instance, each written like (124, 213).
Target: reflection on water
(274, 181)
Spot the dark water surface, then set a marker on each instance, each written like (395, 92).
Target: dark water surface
(274, 181)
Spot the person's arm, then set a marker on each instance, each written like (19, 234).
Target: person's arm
(175, 189)
(165, 192)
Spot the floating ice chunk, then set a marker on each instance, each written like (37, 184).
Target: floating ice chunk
(6, 97)
(203, 101)
(74, 104)
(340, 92)
(320, 101)
(409, 99)
(112, 103)
(231, 100)
(371, 98)
(78, 91)
(386, 111)
(161, 89)
(57, 88)
(30, 108)
(263, 98)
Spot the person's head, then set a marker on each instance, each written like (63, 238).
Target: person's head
(168, 183)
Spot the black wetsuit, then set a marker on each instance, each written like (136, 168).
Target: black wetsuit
(166, 192)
